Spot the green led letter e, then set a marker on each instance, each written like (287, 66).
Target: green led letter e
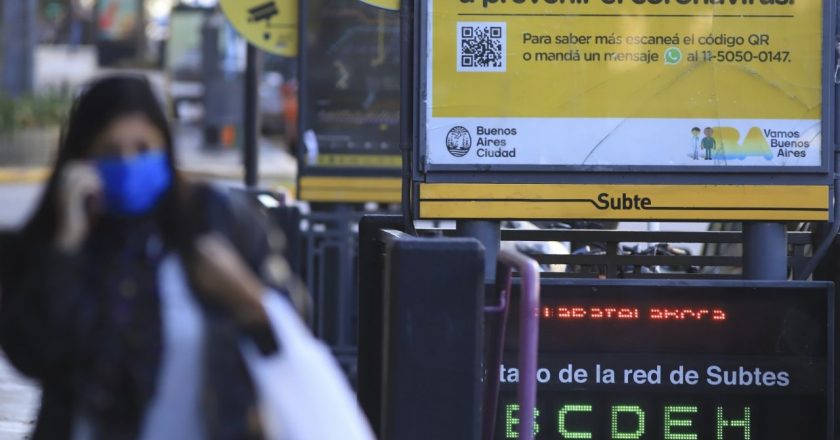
(671, 421)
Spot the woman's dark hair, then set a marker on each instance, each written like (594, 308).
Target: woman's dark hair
(98, 105)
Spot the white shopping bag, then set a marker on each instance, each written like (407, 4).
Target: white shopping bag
(303, 393)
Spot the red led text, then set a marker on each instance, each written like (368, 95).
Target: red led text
(666, 314)
(624, 313)
(655, 313)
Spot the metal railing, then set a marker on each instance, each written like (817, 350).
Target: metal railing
(611, 258)
(330, 258)
(529, 274)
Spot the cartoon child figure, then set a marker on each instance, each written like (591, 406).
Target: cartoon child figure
(694, 152)
(708, 143)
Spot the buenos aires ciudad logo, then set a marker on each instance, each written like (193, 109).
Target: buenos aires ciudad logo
(458, 141)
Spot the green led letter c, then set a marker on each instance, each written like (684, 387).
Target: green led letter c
(561, 421)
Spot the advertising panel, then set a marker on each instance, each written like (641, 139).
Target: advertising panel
(606, 83)
(353, 86)
(118, 20)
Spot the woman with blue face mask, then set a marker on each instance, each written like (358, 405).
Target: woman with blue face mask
(130, 289)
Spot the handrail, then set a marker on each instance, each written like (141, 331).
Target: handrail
(529, 272)
(496, 342)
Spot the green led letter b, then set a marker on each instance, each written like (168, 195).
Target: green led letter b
(511, 421)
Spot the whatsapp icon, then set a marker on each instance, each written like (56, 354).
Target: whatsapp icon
(673, 55)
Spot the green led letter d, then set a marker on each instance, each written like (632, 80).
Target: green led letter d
(629, 409)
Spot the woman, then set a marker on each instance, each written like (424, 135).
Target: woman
(122, 277)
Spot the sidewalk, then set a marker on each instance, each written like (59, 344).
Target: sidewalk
(277, 168)
(19, 400)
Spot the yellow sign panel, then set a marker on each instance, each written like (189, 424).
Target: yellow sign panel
(393, 5)
(635, 83)
(624, 202)
(271, 25)
(360, 160)
(350, 189)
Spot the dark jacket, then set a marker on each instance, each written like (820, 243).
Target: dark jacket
(65, 321)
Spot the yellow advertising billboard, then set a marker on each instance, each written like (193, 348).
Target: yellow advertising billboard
(685, 84)
(271, 25)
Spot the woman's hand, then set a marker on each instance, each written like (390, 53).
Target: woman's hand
(224, 279)
(79, 190)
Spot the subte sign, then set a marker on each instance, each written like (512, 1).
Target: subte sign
(724, 94)
(716, 361)
(624, 202)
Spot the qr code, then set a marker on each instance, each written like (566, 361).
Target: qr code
(482, 47)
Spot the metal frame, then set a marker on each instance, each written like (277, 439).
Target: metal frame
(617, 174)
(329, 265)
(327, 238)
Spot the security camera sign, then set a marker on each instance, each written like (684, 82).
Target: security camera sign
(271, 25)
(688, 85)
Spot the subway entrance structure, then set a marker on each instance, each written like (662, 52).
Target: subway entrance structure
(607, 111)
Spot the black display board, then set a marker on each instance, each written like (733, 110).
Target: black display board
(350, 90)
(679, 361)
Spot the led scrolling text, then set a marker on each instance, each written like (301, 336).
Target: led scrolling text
(653, 313)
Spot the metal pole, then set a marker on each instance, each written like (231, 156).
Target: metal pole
(19, 41)
(490, 236)
(765, 251)
(251, 123)
(406, 109)
(303, 89)
(347, 301)
(529, 304)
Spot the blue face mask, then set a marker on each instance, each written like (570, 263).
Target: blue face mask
(133, 186)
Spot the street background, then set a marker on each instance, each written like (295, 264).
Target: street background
(66, 52)
(22, 174)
